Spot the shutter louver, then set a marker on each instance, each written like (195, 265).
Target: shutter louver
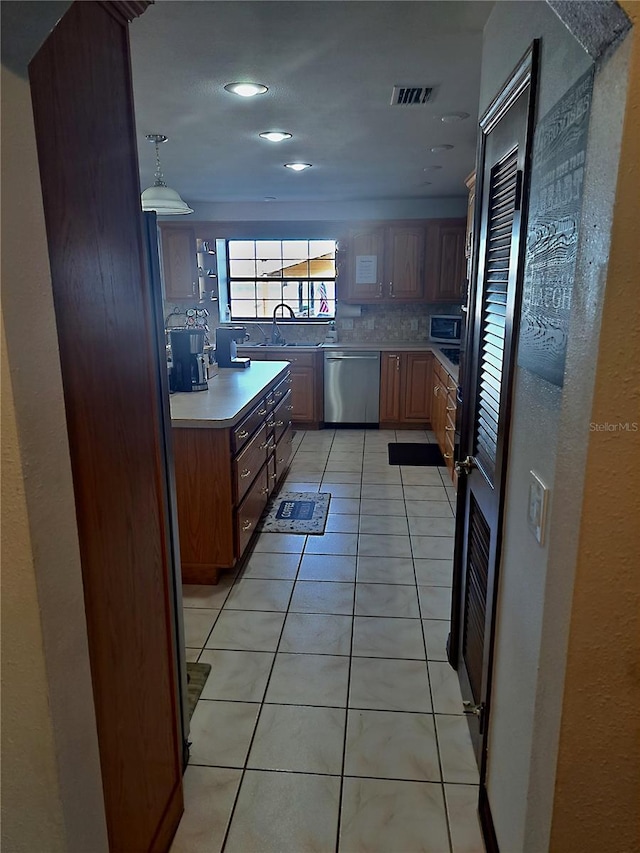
(475, 605)
(502, 206)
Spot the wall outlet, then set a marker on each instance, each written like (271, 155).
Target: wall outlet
(414, 324)
(537, 510)
(347, 324)
(370, 324)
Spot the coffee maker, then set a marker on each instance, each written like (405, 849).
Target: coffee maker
(227, 348)
(189, 367)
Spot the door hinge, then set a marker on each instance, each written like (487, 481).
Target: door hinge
(476, 711)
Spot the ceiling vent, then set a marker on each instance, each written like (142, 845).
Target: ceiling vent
(406, 96)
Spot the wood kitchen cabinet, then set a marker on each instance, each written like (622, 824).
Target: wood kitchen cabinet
(446, 273)
(405, 389)
(394, 254)
(444, 405)
(179, 263)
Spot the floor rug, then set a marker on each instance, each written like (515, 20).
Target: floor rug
(197, 674)
(297, 512)
(408, 453)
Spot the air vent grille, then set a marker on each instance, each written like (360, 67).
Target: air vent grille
(407, 96)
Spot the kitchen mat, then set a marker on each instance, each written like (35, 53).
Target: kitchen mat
(197, 674)
(297, 512)
(408, 453)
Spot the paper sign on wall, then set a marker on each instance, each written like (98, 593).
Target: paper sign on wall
(366, 269)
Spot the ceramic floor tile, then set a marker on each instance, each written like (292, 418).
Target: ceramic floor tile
(317, 633)
(429, 509)
(268, 566)
(337, 523)
(391, 745)
(436, 633)
(425, 493)
(300, 739)
(338, 458)
(301, 476)
(389, 477)
(412, 436)
(390, 816)
(389, 685)
(384, 492)
(250, 594)
(309, 680)
(372, 506)
(419, 476)
(332, 543)
(445, 689)
(435, 602)
(327, 567)
(354, 466)
(210, 596)
(246, 630)
(236, 676)
(209, 795)
(432, 547)
(343, 477)
(344, 506)
(317, 466)
(221, 732)
(434, 572)
(374, 636)
(283, 543)
(197, 625)
(323, 597)
(372, 545)
(385, 570)
(456, 751)
(342, 490)
(294, 485)
(387, 524)
(432, 526)
(462, 810)
(381, 599)
(285, 813)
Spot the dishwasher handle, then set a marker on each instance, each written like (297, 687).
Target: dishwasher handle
(349, 357)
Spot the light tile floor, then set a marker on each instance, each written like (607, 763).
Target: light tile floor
(331, 720)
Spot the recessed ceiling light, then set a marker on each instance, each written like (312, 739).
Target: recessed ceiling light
(297, 167)
(431, 168)
(437, 148)
(449, 118)
(275, 135)
(246, 90)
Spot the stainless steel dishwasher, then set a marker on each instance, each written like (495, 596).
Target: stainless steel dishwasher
(351, 387)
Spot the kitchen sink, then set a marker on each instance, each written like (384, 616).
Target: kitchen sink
(263, 344)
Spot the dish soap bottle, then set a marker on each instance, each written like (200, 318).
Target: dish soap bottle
(332, 335)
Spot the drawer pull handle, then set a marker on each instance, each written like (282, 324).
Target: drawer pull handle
(266, 445)
(451, 408)
(455, 388)
(279, 423)
(247, 525)
(450, 429)
(282, 459)
(243, 433)
(436, 390)
(245, 473)
(274, 476)
(271, 423)
(264, 491)
(279, 394)
(290, 408)
(262, 411)
(447, 455)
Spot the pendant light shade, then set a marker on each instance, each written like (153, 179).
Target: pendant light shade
(161, 198)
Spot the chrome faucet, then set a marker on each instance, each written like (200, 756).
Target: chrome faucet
(276, 337)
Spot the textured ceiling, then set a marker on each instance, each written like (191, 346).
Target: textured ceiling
(330, 68)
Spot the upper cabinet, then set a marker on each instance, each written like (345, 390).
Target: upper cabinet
(179, 262)
(446, 277)
(403, 262)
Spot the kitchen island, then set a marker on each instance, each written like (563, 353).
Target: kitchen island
(232, 446)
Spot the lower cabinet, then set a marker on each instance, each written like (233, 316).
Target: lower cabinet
(405, 389)
(224, 478)
(444, 406)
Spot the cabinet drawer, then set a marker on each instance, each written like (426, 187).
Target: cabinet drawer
(281, 416)
(245, 429)
(303, 359)
(247, 465)
(284, 452)
(270, 401)
(249, 512)
(281, 389)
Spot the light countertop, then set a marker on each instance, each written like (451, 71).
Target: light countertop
(231, 395)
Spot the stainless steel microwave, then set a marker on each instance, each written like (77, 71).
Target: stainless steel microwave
(445, 328)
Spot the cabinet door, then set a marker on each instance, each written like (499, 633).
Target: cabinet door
(365, 267)
(302, 394)
(390, 366)
(404, 254)
(446, 263)
(179, 262)
(417, 386)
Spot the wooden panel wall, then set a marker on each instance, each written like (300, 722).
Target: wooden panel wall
(81, 88)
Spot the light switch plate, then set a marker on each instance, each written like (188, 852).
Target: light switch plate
(537, 512)
(414, 324)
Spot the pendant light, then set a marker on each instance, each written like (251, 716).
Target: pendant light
(161, 198)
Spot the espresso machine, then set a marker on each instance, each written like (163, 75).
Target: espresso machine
(227, 346)
(189, 371)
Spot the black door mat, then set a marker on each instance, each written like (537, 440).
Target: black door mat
(408, 453)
